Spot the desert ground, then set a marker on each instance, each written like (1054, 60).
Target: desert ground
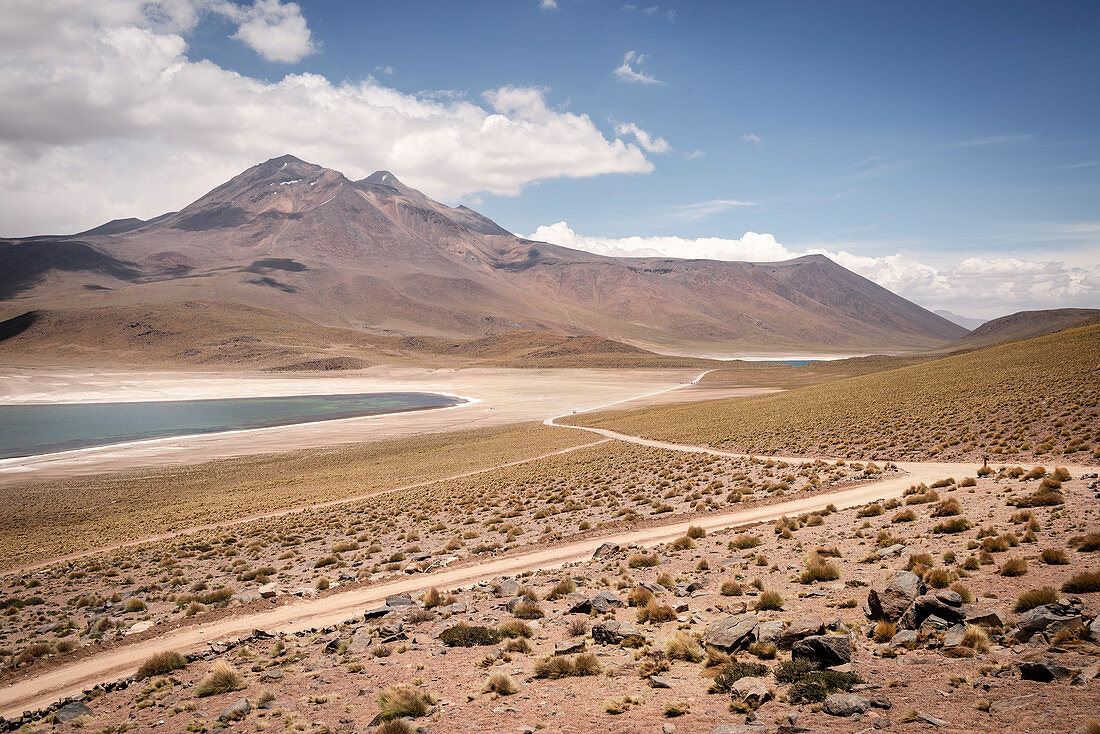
(548, 570)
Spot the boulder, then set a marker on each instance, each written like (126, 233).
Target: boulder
(932, 623)
(399, 601)
(236, 712)
(71, 711)
(730, 633)
(508, 588)
(984, 617)
(803, 627)
(607, 549)
(268, 591)
(1043, 671)
(605, 601)
(904, 638)
(753, 691)
(826, 650)
(954, 636)
(890, 599)
(614, 632)
(1047, 619)
(768, 633)
(926, 606)
(578, 604)
(568, 647)
(949, 597)
(929, 719)
(845, 704)
(656, 681)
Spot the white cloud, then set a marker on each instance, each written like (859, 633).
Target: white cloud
(387, 69)
(977, 286)
(548, 4)
(104, 116)
(704, 209)
(626, 71)
(752, 139)
(694, 155)
(651, 10)
(275, 30)
(650, 143)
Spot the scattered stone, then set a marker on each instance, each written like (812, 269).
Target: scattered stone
(954, 636)
(949, 597)
(730, 633)
(985, 617)
(890, 600)
(1048, 618)
(508, 588)
(750, 690)
(614, 632)
(1011, 704)
(668, 729)
(880, 701)
(845, 704)
(737, 729)
(568, 647)
(656, 681)
(929, 719)
(605, 601)
(268, 591)
(904, 638)
(72, 711)
(1043, 671)
(768, 633)
(826, 650)
(926, 606)
(803, 627)
(237, 711)
(605, 550)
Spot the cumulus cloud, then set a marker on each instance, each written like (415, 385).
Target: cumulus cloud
(973, 286)
(650, 143)
(548, 4)
(275, 30)
(752, 139)
(630, 70)
(105, 116)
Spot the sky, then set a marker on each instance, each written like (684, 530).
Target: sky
(948, 151)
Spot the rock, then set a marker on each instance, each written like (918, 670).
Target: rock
(614, 632)
(954, 636)
(508, 588)
(803, 627)
(668, 729)
(880, 701)
(459, 607)
(72, 711)
(399, 601)
(826, 650)
(928, 605)
(932, 623)
(268, 591)
(656, 681)
(985, 617)
(949, 597)
(1048, 618)
(768, 633)
(730, 633)
(568, 647)
(893, 550)
(605, 601)
(737, 729)
(605, 550)
(515, 601)
(904, 638)
(578, 604)
(237, 711)
(141, 626)
(654, 588)
(753, 691)
(1011, 704)
(1043, 671)
(929, 719)
(845, 704)
(274, 674)
(891, 599)
(376, 613)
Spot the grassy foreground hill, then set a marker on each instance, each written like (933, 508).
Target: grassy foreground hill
(1024, 401)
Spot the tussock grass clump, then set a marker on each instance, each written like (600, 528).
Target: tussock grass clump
(939, 578)
(1013, 567)
(769, 601)
(655, 612)
(396, 726)
(518, 644)
(1086, 543)
(810, 684)
(818, 569)
(954, 525)
(561, 666)
(401, 700)
(639, 596)
(730, 587)
(515, 628)
(947, 508)
(682, 543)
(563, 588)
(683, 646)
(975, 638)
(161, 663)
(872, 510)
(696, 532)
(528, 610)
(222, 678)
(1054, 557)
(468, 635)
(643, 560)
(884, 630)
(744, 541)
(1041, 497)
(1036, 598)
(501, 684)
(904, 516)
(676, 708)
(1082, 583)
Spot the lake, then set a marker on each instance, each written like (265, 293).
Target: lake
(46, 428)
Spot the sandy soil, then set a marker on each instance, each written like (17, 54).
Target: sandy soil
(500, 396)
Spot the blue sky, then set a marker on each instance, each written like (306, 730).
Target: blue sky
(950, 151)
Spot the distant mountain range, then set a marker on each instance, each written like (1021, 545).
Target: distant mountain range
(964, 321)
(377, 257)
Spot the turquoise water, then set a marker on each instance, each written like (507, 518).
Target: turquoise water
(26, 430)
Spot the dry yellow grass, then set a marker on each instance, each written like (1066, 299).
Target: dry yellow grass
(1015, 402)
(108, 509)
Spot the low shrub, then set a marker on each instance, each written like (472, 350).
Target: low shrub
(643, 560)
(734, 671)
(769, 601)
(954, 525)
(1054, 557)
(501, 684)
(401, 700)
(222, 678)
(1013, 567)
(468, 635)
(730, 587)
(161, 663)
(1082, 583)
(1036, 598)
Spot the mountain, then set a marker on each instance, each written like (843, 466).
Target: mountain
(964, 321)
(378, 257)
(1023, 325)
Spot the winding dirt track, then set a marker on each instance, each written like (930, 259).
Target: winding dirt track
(39, 691)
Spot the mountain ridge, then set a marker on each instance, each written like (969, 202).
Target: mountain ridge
(377, 256)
